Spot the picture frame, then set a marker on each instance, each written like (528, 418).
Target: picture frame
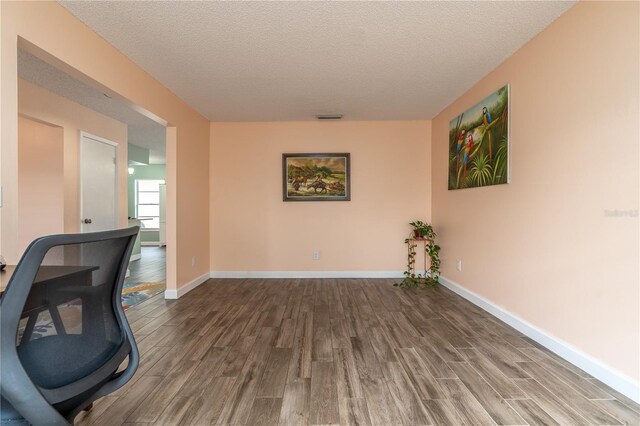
(316, 177)
(480, 143)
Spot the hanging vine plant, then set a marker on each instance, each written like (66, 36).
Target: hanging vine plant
(421, 231)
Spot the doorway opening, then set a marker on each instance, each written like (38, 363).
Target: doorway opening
(108, 144)
(148, 189)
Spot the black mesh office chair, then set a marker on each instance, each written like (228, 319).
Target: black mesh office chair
(63, 332)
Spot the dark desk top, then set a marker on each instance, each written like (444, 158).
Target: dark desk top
(45, 273)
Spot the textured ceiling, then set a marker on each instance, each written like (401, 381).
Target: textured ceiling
(241, 61)
(142, 131)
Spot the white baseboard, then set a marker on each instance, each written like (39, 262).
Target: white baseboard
(306, 274)
(608, 375)
(150, 243)
(175, 294)
(181, 291)
(135, 257)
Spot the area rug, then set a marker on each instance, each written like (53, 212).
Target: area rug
(134, 292)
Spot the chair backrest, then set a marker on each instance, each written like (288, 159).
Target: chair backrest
(62, 312)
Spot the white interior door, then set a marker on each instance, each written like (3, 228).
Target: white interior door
(98, 183)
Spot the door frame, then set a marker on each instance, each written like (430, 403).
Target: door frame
(116, 192)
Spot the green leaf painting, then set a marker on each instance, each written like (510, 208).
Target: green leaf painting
(479, 143)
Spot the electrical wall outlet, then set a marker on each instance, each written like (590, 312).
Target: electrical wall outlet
(316, 255)
(459, 265)
(193, 261)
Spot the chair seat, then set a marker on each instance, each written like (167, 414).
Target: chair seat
(55, 361)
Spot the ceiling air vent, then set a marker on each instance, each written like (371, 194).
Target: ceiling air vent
(329, 116)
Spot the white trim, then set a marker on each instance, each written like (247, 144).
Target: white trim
(608, 375)
(181, 291)
(135, 257)
(306, 274)
(150, 243)
(97, 138)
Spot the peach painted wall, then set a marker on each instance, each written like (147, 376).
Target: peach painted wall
(43, 105)
(40, 180)
(254, 230)
(48, 31)
(546, 247)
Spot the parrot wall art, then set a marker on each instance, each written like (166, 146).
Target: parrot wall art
(479, 143)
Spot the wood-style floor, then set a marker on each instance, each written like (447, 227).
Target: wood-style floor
(151, 267)
(352, 351)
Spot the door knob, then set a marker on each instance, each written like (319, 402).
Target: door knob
(87, 220)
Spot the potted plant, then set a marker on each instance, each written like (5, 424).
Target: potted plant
(424, 231)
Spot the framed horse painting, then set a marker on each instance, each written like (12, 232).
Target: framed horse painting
(316, 177)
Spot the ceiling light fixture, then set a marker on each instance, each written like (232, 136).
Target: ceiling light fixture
(329, 116)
